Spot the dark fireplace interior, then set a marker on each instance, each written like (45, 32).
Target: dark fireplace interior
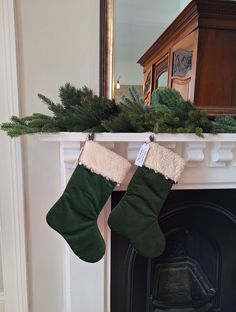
(197, 271)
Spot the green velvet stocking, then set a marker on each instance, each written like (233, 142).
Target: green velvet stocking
(75, 214)
(136, 215)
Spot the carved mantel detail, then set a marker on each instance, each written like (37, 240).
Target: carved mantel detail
(210, 162)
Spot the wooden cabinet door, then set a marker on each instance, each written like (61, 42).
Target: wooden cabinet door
(183, 66)
(161, 73)
(148, 84)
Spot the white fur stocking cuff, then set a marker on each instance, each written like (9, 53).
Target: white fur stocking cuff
(164, 161)
(103, 161)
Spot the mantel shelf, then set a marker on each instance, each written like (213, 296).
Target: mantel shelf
(137, 137)
(210, 161)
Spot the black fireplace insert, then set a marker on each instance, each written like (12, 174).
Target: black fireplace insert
(197, 271)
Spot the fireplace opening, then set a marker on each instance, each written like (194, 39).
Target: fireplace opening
(197, 271)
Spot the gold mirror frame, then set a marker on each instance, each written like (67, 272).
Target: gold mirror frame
(106, 48)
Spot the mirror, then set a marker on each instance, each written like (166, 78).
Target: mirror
(162, 80)
(128, 29)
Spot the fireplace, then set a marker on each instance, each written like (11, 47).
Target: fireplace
(197, 271)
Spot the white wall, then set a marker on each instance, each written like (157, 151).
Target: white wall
(58, 42)
(183, 4)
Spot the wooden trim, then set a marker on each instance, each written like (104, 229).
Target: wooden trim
(186, 20)
(162, 66)
(136, 137)
(194, 65)
(214, 111)
(199, 13)
(103, 48)
(179, 80)
(159, 68)
(106, 48)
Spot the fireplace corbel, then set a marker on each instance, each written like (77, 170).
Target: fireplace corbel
(210, 164)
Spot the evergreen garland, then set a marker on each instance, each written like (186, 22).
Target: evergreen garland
(81, 110)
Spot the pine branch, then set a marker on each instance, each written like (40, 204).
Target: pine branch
(82, 110)
(69, 95)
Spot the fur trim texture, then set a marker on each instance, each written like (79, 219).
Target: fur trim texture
(164, 161)
(103, 161)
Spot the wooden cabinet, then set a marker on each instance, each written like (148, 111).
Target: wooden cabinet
(197, 53)
(183, 65)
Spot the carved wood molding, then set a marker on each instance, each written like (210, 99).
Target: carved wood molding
(147, 84)
(213, 8)
(161, 67)
(182, 62)
(180, 81)
(198, 13)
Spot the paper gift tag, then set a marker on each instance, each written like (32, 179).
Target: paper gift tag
(142, 155)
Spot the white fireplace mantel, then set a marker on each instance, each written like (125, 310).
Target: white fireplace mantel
(210, 161)
(210, 164)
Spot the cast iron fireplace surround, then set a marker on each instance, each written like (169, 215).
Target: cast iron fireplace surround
(197, 271)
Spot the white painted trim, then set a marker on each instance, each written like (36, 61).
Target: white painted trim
(211, 163)
(2, 298)
(12, 212)
(107, 257)
(66, 256)
(137, 137)
(212, 159)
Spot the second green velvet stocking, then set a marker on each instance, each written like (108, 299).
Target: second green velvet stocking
(136, 215)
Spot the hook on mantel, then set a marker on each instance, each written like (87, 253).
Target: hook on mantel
(152, 138)
(90, 137)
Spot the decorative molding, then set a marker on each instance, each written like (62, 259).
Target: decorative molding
(198, 13)
(182, 63)
(219, 8)
(66, 162)
(222, 154)
(147, 84)
(135, 137)
(202, 155)
(194, 153)
(13, 226)
(160, 68)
